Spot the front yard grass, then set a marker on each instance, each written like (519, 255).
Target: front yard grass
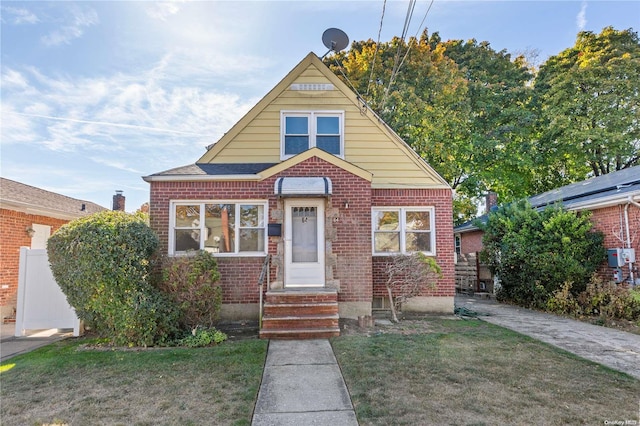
(474, 373)
(66, 384)
(425, 372)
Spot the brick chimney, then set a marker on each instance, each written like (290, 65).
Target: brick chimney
(491, 201)
(118, 201)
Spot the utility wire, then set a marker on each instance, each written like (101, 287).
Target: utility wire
(396, 59)
(373, 61)
(417, 32)
(396, 69)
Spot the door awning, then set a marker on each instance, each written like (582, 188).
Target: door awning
(303, 186)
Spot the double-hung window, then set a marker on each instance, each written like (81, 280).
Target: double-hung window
(225, 227)
(403, 230)
(304, 130)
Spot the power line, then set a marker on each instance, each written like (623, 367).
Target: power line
(373, 62)
(396, 69)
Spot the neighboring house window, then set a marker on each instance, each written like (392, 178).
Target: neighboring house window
(218, 227)
(403, 230)
(304, 130)
(458, 243)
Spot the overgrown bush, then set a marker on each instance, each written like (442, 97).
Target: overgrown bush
(101, 262)
(608, 301)
(190, 282)
(534, 253)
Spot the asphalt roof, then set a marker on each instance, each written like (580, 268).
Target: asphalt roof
(616, 185)
(22, 196)
(598, 187)
(205, 169)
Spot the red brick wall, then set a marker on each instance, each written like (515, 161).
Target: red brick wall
(440, 199)
(471, 242)
(352, 241)
(610, 221)
(239, 275)
(13, 235)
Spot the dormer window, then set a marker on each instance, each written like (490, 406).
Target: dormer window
(303, 130)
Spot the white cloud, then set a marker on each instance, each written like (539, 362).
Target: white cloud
(581, 18)
(163, 10)
(19, 16)
(118, 121)
(81, 19)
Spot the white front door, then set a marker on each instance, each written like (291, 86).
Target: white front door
(304, 243)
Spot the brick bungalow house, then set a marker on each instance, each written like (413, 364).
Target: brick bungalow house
(313, 181)
(28, 216)
(614, 202)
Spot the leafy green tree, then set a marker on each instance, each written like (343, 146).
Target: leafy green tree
(588, 105)
(534, 253)
(102, 264)
(461, 106)
(499, 124)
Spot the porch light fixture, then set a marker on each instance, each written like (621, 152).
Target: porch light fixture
(346, 205)
(30, 231)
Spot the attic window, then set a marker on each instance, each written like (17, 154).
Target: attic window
(311, 87)
(301, 131)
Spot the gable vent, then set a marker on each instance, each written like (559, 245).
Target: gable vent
(312, 86)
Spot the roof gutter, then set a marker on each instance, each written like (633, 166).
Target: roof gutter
(613, 200)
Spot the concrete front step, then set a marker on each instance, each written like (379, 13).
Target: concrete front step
(300, 322)
(309, 333)
(300, 314)
(284, 309)
(299, 296)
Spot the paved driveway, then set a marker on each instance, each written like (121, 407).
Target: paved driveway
(615, 349)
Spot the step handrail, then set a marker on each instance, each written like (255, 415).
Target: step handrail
(264, 273)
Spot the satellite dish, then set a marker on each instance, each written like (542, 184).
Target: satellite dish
(334, 40)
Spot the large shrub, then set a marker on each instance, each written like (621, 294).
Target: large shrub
(603, 300)
(101, 262)
(191, 283)
(535, 252)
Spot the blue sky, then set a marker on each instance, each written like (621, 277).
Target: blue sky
(95, 95)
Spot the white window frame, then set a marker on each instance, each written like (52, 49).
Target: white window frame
(237, 228)
(402, 216)
(312, 115)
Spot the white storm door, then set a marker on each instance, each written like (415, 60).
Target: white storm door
(304, 243)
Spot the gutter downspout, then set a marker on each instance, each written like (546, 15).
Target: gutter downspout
(626, 222)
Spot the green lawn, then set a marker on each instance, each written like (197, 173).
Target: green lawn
(428, 372)
(62, 383)
(474, 373)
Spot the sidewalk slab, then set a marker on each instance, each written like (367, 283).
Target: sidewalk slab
(302, 384)
(11, 345)
(613, 348)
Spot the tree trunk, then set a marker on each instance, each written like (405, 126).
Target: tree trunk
(394, 317)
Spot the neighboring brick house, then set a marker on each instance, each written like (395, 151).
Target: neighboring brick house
(614, 202)
(28, 216)
(313, 180)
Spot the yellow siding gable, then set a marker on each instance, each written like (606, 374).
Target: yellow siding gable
(369, 144)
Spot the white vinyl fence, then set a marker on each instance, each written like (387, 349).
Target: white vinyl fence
(41, 303)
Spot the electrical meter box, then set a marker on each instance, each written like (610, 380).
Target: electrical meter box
(619, 257)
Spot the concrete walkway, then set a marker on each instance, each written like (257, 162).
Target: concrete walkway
(11, 346)
(302, 385)
(610, 347)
